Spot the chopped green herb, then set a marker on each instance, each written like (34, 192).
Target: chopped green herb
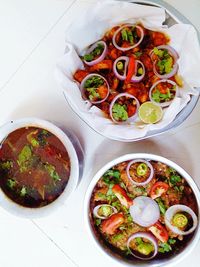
(97, 222)
(138, 54)
(171, 241)
(52, 171)
(93, 93)
(111, 176)
(96, 52)
(24, 158)
(158, 97)
(161, 206)
(23, 191)
(124, 34)
(117, 237)
(164, 247)
(94, 81)
(11, 183)
(120, 112)
(6, 165)
(174, 179)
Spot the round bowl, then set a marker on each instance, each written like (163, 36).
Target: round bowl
(172, 260)
(19, 210)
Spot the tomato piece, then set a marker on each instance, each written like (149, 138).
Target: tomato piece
(160, 232)
(110, 225)
(158, 189)
(131, 110)
(121, 194)
(102, 90)
(131, 69)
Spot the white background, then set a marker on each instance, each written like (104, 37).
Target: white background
(31, 41)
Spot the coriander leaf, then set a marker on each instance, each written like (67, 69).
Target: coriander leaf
(120, 112)
(24, 158)
(23, 191)
(6, 165)
(97, 222)
(52, 171)
(11, 183)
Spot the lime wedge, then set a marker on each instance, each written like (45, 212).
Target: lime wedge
(150, 113)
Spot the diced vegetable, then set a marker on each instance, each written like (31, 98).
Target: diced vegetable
(110, 225)
(160, 232)
(24, 158)
(158, 189)
(121, 194)
(52, 171)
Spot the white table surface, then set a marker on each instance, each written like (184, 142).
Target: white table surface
(32, 39)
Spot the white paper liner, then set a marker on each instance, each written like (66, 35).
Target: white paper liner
(96, 19)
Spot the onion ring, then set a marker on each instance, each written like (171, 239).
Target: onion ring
(95, 211)
(121, 77)
(142, 161)
(164, 104)
(131, 119)
(178, 208)
(145, 211)
(83, 89)
(135, 78)
(130, 47)
(145, 235)
(101, 57)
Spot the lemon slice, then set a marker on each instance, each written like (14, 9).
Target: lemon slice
(150, 113)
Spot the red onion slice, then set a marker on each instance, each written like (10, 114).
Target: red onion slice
(147, 236)
(168, 75)
(170, 49)
(121, 77)
(136, 78)
(179, 208)
(175, 56)
(164, 104)
(145, 211)
(83, 89)
(95, 211)
(130, 119)
(101, 57)
(140, 161)
(130, 47)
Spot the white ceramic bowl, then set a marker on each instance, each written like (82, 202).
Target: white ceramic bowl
(173, 260)
(15, 208)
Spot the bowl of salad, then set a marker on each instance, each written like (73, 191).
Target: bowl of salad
(143, 209)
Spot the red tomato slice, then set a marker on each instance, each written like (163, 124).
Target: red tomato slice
(160, 232)
(158, 189)
(122, 196)
(110, 225)
(131, 69)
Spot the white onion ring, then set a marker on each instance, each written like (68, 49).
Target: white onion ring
(136, 78)
(121, 77)
(130, 47)
(142, 161)
(168, 75)
(145, 235)
(95, 211)
(101, 57)
(83, 89)
(145, 211)
(175, 209)
(164, 104)
(131, 119)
